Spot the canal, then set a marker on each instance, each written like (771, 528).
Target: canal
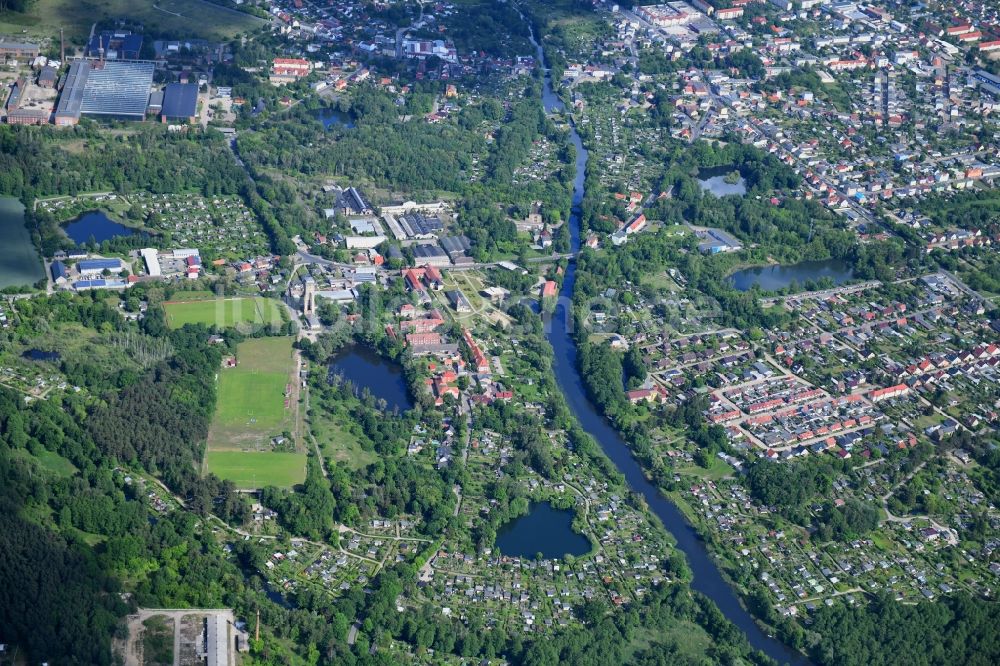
(708, 579)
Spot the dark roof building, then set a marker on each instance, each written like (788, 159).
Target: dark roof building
(180, 101)
(418, 224)
(113, 89)
(429, 255)
(456, 245)
(59, 271)
(352, 202)
(47, 77)
(15, 94)
(98, 265)
(115, 45)
(18, 49)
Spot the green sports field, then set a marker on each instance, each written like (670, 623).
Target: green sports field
(223, 312)
(256, 401)
(248, 469)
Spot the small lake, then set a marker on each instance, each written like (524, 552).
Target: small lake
(543, 530)
(39, 355)
(97, 225)
(366, 369)
(714, 180)
(19, 261)
(774, 278)
(331, 117)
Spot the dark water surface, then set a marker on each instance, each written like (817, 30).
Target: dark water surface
(544, 530)
(774, 278)
(19, 261)
(98, 225)
(382, 377)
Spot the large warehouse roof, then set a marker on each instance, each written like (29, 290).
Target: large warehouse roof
(180, 100)
(113, 88)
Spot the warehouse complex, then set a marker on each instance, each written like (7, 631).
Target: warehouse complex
(106, 89)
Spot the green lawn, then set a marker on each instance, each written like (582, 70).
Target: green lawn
(250, 410)
(180, 19)
(255, 400)
(250, 403)
(337, 443)
(222, 312)
(691, 640)
(49, 461)
(249, 469)
(718, 469)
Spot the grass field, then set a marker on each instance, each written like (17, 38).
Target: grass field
(251, 408)
(179, 18)
(248, 469)
(49, 461)
(337, 443)
(222, 312)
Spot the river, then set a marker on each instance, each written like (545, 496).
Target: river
(708, 579)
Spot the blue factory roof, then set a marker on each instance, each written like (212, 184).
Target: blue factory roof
(99, 284)
(123, 45)
(99, 264)
(58, 269)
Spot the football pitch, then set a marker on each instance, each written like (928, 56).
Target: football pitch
(256, 401)
(223, 312)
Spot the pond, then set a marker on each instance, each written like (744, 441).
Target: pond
(714, 180)
(544, 530)
(39, 355)
(97, 225)
(19, 261)
(331, 117)
(366, 369)
(777, 277)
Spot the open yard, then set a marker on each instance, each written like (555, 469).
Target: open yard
(222, 312)
(182, 19)
(337, 442)
(257, 401)
(249, 469)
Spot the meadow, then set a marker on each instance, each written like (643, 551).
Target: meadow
(251, 470)
(183, 19)
(256, 401)
(222, 312)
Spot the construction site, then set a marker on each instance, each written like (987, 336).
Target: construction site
(183, 637)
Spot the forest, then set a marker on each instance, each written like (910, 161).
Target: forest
(40, 162)
(953, 630)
